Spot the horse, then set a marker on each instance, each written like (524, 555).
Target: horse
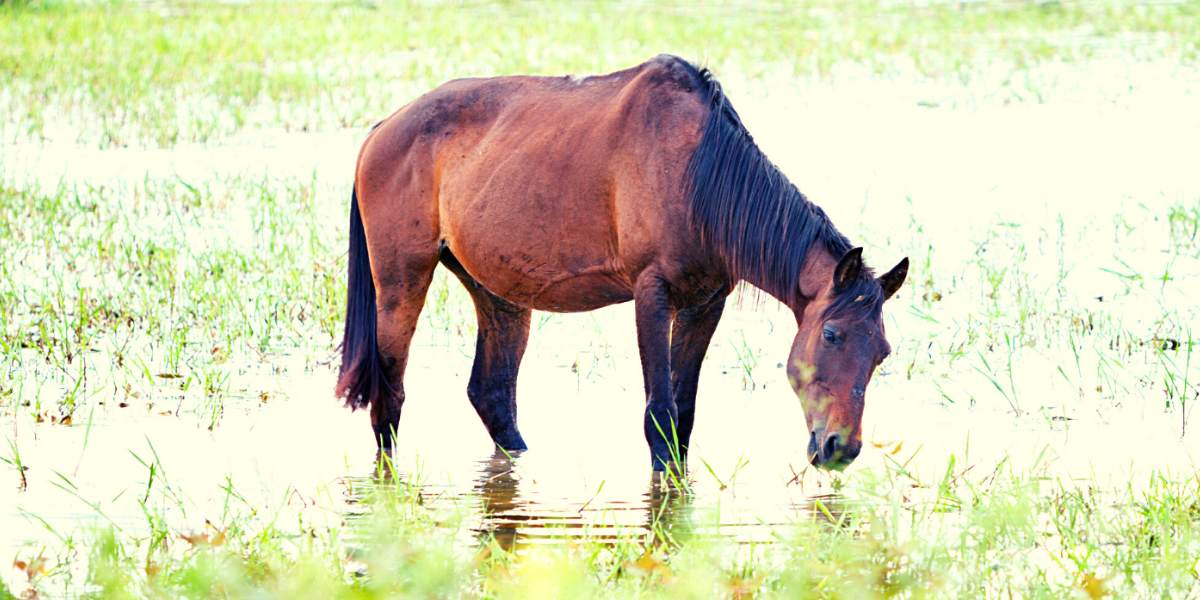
(569, 194)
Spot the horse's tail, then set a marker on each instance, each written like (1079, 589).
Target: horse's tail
(362, 380)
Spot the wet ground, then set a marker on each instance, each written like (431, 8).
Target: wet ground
(929, 169)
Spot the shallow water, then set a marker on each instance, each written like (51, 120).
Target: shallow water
(928, 169)
(587, 470)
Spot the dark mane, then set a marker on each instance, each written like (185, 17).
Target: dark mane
(749, 212)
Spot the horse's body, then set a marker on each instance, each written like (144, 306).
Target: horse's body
(564, 194)
(556, 164)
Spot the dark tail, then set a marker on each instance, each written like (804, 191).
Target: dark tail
(362, 380)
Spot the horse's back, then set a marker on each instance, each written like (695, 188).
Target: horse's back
(552, 192)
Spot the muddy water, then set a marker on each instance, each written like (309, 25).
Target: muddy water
(929, 169)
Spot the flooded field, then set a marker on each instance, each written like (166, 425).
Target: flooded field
(170, 312)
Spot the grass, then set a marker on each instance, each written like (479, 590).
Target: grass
(178, 297)
(116, 73)
(14, 460)
(109, 308)
(1007, 532)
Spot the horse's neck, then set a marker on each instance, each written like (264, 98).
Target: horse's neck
(816, 273)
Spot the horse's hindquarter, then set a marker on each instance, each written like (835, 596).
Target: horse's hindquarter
(560, 199)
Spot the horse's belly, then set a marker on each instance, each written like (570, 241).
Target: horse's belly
(545, 278)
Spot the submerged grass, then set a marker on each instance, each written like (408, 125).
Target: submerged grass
(170, 296)
(153, 294)
(999, 534)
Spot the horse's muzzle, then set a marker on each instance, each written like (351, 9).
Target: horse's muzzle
(834, 451)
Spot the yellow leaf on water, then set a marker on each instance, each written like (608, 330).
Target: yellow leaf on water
(195, 539)
(218, 535)
(1094, 586)
(895, 448)
(648, 564)
(31, 568)
(743, 587)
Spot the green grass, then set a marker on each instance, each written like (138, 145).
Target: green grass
(170, 296)
(167, 295)
(117, 73)
(125, 295)
(1007, 532)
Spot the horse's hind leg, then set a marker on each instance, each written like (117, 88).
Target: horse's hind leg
(399, 304)
(503, 334)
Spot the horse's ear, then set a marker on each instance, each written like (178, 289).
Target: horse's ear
(847, 270)
(891, 281)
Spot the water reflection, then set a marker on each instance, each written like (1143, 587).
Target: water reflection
(508, 505)
(513, 516)
(670, 509)
(499, 491)
(830, 509)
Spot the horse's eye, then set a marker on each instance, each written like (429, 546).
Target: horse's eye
(830, 335)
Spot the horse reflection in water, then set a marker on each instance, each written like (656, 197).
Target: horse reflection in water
(661, 516)
(514, 512)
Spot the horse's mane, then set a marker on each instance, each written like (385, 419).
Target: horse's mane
(751, 215)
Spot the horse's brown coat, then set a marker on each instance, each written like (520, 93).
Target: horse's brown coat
(558, 165)
(561, 194)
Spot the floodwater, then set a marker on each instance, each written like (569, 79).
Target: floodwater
(901, 168)
(587, 470)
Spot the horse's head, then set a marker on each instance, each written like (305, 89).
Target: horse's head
(839, 344)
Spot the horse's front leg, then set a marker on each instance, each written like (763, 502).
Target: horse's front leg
(690, 335)
(654, 314)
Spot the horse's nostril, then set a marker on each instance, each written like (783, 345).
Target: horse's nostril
(832, 449)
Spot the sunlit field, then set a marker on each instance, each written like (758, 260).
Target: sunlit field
(174, 188)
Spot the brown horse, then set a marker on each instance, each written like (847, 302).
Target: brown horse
(569, 194)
